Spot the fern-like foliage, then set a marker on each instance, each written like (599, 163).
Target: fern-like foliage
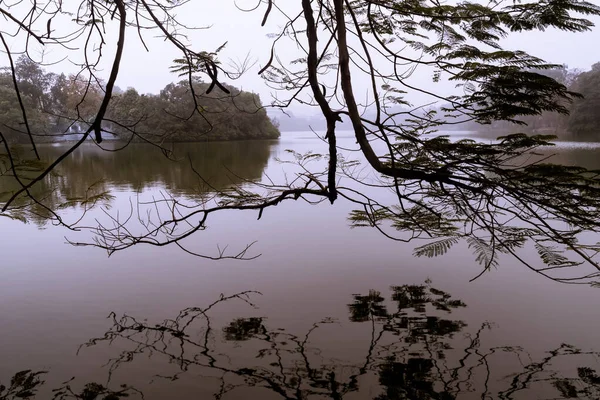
(485, 253)
(437, 248)
(553, 257)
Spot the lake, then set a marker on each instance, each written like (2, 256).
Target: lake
(325, 311)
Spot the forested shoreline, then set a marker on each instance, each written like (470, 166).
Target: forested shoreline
(59, 105)
(581, 123)
(55, 110)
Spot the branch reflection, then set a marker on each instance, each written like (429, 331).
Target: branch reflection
(404, 345)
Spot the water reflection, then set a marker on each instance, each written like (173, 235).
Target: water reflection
(402, 342)
(92, 175)
(25, 385)
(412, 348)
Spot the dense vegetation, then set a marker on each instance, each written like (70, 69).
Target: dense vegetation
(585, 115)
(583, 120)
(53, 102)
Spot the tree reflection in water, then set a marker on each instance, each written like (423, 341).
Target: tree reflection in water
(25, 385)
(415, 352)
(92, 176)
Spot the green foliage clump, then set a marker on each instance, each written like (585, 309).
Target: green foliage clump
(585, 116)
(180, 114)
(57, 104)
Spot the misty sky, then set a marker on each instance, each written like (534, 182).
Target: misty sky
(148, 72)
(245, 36)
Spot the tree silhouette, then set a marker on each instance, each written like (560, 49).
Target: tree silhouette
(495, 197)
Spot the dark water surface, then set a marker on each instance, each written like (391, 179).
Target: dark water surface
(324, 312)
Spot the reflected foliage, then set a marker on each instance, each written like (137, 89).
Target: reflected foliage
(26, 385)
(244, 329)
(23, 385)
(409, 380)
(418, 296)
(416, 352)
(93, 391)
(89, 176)
(413, 314)
(568, 388)
(367, 307)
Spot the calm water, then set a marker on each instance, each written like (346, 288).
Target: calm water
(324, 312)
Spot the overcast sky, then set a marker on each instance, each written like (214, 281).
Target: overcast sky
(245, 36)
(148, 72)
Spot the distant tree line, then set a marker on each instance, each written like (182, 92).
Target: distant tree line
(59, 104)
(583, 121)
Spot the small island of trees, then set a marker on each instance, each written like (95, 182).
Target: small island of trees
(58, 106)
